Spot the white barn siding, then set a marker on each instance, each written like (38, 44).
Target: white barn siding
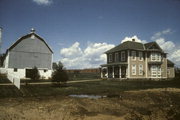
(29, 53)
(26, 53)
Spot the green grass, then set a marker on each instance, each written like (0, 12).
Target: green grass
(104, 87)
(83, 76)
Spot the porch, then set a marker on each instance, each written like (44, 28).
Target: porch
(116, 71)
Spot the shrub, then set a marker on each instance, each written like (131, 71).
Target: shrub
(59, 75)
(34, 74)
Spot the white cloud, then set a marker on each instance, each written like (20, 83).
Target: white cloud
(71, 52)
(159, 34)
(176, 56)
(133, 37)
(92, 56)
(168, 46)
(43, 2)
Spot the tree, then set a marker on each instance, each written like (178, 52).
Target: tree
(2, 57)
(34, 74)
(55, 65)
(59, 75)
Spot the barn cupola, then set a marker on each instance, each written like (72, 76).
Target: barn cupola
(32, 32)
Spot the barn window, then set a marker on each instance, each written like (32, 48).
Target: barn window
(15, 69)
(45, 70)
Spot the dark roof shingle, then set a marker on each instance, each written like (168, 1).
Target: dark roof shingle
(127, 45)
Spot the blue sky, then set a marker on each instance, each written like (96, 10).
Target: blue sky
(80, 26)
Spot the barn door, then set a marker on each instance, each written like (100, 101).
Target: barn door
(28, 73)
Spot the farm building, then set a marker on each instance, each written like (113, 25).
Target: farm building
(27, 52)
(133, 60)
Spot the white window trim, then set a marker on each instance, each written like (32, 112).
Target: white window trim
(134, 69)
(133, 53)
(123, 57)
(156, 56)
(140, 69)
(141, 56)
(110, 57)
(156, 71)
(116, 58)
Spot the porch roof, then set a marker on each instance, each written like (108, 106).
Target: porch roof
(114, 64)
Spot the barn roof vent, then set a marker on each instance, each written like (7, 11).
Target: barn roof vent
(32, 30)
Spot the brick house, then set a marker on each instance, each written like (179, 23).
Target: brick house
(136, 60)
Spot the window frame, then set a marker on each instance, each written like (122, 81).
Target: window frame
(141, 57)
(15, 70)
(133, 54)
(156, 71)
(140, 69)
(133, 69)
(110, 58)
(155, 56)
(116, 57)
(123, 56)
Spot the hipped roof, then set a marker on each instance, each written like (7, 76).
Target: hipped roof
(131, 45)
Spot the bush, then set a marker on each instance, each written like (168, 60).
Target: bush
(59, 75)
(34, 74)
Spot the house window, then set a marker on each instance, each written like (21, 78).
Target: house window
(15, 69)
(116, 57)
(158, 57)
(123, 56)
(140, 69)
(140, 56)
(133, 69)
(133, 55)
(110, 57)
(155, 56)
(45, 70)
(155, 71)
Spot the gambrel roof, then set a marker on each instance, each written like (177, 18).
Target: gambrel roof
(27, 36)
(131, 45)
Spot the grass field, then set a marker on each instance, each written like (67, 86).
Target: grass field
(103, 87)
(125, 100)
(83, 76)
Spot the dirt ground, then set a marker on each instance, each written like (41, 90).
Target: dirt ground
(151, 104)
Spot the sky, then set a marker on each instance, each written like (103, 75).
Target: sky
(80, 31)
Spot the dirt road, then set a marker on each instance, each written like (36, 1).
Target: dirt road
(152, 104)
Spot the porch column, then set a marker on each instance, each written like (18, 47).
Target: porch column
(126, 71)
(101, 72)
(112, 71)
(120, 71)
(107, 72)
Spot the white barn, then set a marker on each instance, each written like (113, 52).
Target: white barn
(27, 52)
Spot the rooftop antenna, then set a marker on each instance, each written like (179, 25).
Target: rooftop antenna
(0, 39)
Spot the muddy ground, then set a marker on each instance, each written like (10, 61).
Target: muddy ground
(152, 104)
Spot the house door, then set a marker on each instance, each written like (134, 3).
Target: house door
(116, 72)
(28, 73)
(123, 72)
